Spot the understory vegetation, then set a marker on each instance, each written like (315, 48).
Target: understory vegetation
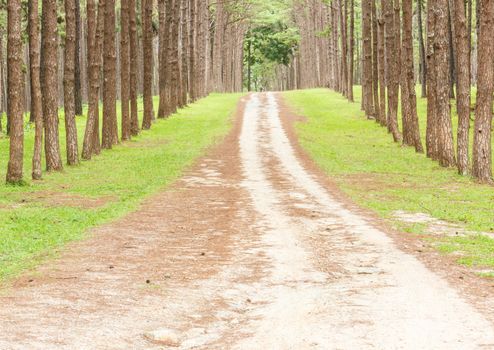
(40, 217)
(391, 179)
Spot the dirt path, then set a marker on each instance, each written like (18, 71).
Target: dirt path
(248, 251)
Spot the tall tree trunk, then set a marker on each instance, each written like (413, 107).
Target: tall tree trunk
(344, 49)
(110, 135)
(134, 118)
(174, 62)
(432, 143)
(335, 35)
(163, 44)
(423, 64)
(445, 131)
(393, 70)
(36, 101)
(382, 72)
(3, 99)
(411, 132)
(463, 86)
(15, 88)
(185, 46)
(367, 92)
(452, 54)
(124, 68)
(77, 67)
(202, 30)
(69, 83)
(482, 152)
(351, 46)
(469, 30)
(147, 47)
(95, 25)
(375, 68)
(49, 84)
(192, 49)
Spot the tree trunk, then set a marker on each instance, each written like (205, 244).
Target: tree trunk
(411, 132)
(351, 46)
(69, 83)
(432, 144)
(163, 62)
(482, 153)
(174, 62)
(184, 69)
(15, 87)
(134, 118)
(344, 49)
(463, 85)
(423, 65)
(393, 70)
(375, 69)
(452, 49)
(445, 132)
(95, 25)
(147, 50)
(36, 100)
(77, 67)
(110, 135)
(124, 68)
(192, 49)
(49, 84)
(382, 72)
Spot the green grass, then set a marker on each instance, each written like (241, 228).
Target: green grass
(32, 228)
(386, 177)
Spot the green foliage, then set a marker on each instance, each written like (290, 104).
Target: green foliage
(36, 219)
(386, 177)
(275, 43)
(271, 40)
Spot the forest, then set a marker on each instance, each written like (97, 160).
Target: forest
(246, 174)
(94, 52)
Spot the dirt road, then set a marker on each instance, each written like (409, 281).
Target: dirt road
(248, 251)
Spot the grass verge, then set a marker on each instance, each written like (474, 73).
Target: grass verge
(39, 218)
(386, 177)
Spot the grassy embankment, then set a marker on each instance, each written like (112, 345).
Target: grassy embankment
(386, 177)
(40, 217)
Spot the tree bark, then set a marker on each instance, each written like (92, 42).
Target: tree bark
(375, 68)
(124, 68)
(351, 46)
(184, 69)
(382, 72)
(110, 135)
(77, 58)
(393, 70)
(15, 88)
(463, 85)
(134, 118)
(49, 84)
(147, 50)
(441, 44)
(174, 62)
(411, 131)
(432, 144)
(36, 100)
(423, 64)
(163, 45)
(69, 83)
(482, 152)
(344, 48)
(95, 24)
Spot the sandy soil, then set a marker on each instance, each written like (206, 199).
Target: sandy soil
(250, 250)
